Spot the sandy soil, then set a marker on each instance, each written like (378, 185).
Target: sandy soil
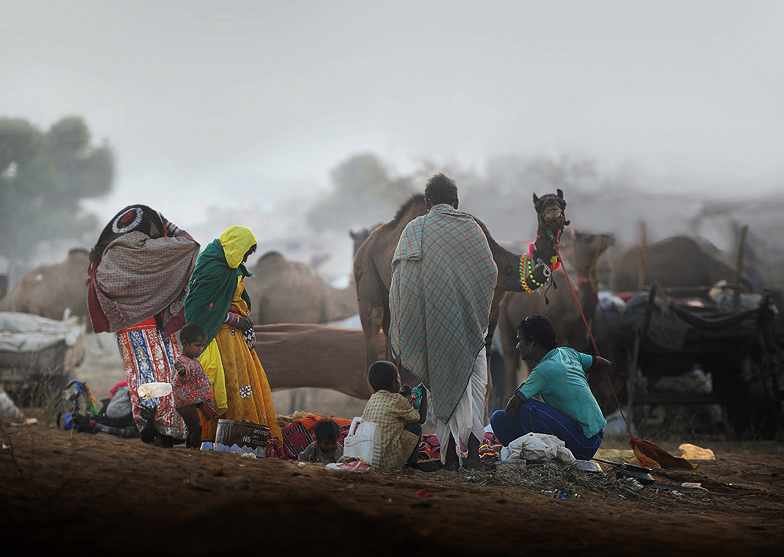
(98, 492)
(62, 491)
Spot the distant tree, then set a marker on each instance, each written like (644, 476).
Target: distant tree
(363, 194)
(43, 176)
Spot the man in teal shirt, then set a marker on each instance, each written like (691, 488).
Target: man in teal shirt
(569, 411)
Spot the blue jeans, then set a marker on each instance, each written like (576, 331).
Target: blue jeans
(537, 417)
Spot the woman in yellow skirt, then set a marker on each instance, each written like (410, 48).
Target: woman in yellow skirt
(218, 302)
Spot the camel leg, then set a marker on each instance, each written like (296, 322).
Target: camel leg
(371, 327)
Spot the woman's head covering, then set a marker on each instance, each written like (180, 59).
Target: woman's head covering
(139, 269)
(236, 242)
(215, 277)
(133, 218)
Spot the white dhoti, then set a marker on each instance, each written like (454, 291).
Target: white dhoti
(469, 416)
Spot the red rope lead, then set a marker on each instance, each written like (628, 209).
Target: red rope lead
(590, 334)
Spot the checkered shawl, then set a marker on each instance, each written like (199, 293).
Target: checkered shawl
(443, 278)
(139, 276)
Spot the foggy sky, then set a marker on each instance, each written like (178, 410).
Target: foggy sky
(216, 102)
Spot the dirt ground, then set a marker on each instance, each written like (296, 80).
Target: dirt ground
(62, 491)
(95, 493)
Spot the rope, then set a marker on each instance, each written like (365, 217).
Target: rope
(590, 334)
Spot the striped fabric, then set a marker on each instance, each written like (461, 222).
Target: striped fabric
(443, 278)
(149, 358)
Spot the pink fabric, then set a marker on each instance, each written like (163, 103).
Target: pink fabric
(194, 387)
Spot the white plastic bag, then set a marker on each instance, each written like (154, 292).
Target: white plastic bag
(538, 447)
(154, 390)
(363, 440)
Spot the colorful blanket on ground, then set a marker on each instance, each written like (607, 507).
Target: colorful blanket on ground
(299, 434)
(443, 279)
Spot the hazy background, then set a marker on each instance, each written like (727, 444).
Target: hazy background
(238, 112)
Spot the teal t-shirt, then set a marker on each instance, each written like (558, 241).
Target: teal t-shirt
(561, 379)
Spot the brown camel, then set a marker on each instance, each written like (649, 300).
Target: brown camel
(678, 262)
(373, 268)
(359, 237)
(317, 356)
(582, 258)
(52, 290)
(292, 292)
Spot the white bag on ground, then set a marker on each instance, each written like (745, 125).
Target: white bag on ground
(538, 447)
(8, 409)
(362, 441)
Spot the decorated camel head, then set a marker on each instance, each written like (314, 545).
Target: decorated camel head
(542, 259)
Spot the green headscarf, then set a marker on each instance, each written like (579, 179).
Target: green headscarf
(214, 279)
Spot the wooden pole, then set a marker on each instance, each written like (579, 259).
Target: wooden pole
(643, 247)
(739, 266)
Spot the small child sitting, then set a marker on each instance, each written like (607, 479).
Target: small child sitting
(326, 447)
(191, 386)
(399, 422)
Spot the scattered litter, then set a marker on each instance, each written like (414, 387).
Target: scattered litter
(638, 473)
(424, 493)
(248, 455)
(588, 466)
(301, 464)
(619, 456)
(561, 494)
(259, 452)
(30, 421)
(511, 464)
(693, 452)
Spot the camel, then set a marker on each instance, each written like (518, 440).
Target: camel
(562, 310)
(359, 237)
(373, 268)
(316, 356)
(678, 262)
(52, 291)
(292, 292)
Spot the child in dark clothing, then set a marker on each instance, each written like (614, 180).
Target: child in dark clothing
(191, 386)
(326, 447)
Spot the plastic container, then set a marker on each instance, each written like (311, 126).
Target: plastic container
(362, 441)
(245, 436)
(154, 390)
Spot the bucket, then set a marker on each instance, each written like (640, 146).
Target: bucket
(246, 436)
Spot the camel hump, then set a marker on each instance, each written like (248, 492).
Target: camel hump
(270, 255)
(416, 201)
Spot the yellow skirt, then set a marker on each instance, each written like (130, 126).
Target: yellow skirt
(248, 394)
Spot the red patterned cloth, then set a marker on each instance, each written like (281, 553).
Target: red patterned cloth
(194, 387)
